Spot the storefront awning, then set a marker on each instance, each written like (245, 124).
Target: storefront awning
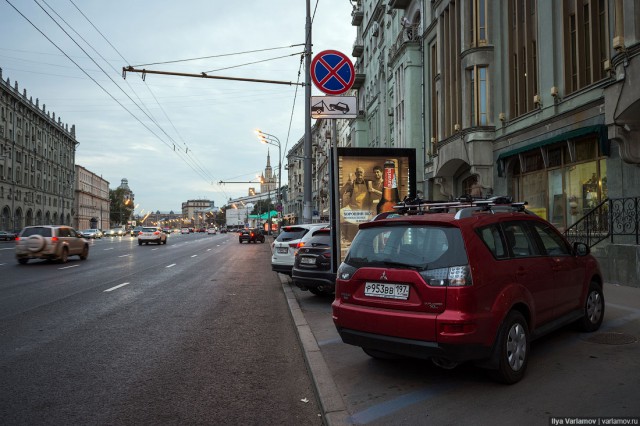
(600, 129)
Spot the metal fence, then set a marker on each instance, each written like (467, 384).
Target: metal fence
(617, 219)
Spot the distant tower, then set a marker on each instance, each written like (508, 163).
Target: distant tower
(268, 181)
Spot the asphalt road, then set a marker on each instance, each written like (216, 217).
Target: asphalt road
(193, 332)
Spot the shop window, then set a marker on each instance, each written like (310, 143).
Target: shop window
(555, 155)
(533, 161)
(586, 149)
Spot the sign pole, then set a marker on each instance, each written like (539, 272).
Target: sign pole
(307, 149)
(333, 200)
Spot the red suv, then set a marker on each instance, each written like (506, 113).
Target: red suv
(455, 282)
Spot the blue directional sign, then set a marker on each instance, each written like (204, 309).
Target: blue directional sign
(332, 72)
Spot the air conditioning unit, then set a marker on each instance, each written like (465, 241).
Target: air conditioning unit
(456, 127)
(375, 29)
(389, 111)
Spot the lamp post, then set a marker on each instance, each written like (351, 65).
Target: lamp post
(270, 139)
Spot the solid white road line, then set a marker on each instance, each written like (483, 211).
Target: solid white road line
(118, 286)
(170, 266)
(125, 255)
(195, 255)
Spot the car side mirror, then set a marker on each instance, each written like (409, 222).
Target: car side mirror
(581, 249)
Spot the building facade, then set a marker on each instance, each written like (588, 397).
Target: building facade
(91, 203)
(37, 162)
(532, 99)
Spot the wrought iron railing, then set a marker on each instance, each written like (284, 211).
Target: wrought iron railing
(618, 217)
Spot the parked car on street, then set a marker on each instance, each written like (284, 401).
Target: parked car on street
(7, 236)
(312, 263)
(252, 235)
(91, 233)
(53, 242)
(284, 246)
(152, 234)
(478, 284)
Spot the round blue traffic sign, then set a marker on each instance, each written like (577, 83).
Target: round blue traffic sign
(332, 72)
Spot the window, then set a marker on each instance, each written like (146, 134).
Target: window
(478, 91)
(518, 240)
(586, 36)
(523, 56)
(490, 235)
(553, 244)
(479, 23)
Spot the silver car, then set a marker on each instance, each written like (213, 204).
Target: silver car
(53, 242)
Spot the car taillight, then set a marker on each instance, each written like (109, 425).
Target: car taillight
(54, 239)
(252, 234)
(156, 233)
(17, 238)
(453, 276)
(293, 245)
(327, 254)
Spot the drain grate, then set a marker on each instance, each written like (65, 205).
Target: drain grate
(611, 338)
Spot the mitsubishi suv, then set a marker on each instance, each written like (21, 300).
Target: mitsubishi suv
(53, 242)
(467, 281)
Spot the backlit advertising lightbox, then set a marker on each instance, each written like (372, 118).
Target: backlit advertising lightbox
(370, 181)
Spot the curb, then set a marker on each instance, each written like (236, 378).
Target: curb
(334, 411)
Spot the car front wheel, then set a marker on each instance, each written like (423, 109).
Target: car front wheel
(512, 349)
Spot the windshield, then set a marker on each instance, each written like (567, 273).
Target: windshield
(412, 246)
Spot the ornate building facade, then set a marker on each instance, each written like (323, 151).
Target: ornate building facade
(37, 162)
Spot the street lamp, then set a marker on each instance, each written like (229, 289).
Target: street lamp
(270, 139)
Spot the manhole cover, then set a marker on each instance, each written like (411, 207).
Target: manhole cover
(610, 338)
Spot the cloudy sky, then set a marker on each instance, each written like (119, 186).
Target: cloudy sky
(173, 138)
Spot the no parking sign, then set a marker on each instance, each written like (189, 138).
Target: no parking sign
(332, 72)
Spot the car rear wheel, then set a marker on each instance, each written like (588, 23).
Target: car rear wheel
(85, 253)
(593, 309)
(512, 349)
(139, 242)
(64, 256)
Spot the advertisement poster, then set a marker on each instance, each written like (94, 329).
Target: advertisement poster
(369, 181)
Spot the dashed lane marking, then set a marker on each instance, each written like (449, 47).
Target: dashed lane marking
(118, 286)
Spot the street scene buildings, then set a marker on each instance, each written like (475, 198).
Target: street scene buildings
(529, 99)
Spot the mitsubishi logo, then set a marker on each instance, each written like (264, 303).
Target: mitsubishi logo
(383, 276)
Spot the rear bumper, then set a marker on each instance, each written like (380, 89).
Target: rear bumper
(313, 279)
(413, 348)
(283, 269)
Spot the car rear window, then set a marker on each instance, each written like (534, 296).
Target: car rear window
(149, 229)
(421, 247)
(319, 238)
(292, 233)
(45, 232)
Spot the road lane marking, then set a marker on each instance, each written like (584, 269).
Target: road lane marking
(195, 255)
(208, 249)
(67, 267)
(118, 286)
(125, 255)
(170, 266)
(110, 248)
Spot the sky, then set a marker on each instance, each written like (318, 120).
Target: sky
(173, 138)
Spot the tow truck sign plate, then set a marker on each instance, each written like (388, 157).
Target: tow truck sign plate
(334, 107)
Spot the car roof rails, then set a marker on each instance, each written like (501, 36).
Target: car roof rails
(464, 206)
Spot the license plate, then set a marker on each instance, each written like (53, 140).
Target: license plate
(387, 291)
(308, 260)
(283, 250)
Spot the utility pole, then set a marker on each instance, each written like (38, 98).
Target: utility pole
(306, 211)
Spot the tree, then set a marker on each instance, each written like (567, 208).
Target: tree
(121, 206)
(263, 206)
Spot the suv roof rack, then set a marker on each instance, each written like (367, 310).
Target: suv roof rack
(465, 206)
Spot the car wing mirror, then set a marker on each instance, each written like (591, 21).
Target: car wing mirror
(581, 249)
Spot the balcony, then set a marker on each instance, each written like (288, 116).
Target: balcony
(399, 4)
(356, 17)
(358, 81)
(358, 48)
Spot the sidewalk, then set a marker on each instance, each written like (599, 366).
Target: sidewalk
(622, 322)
